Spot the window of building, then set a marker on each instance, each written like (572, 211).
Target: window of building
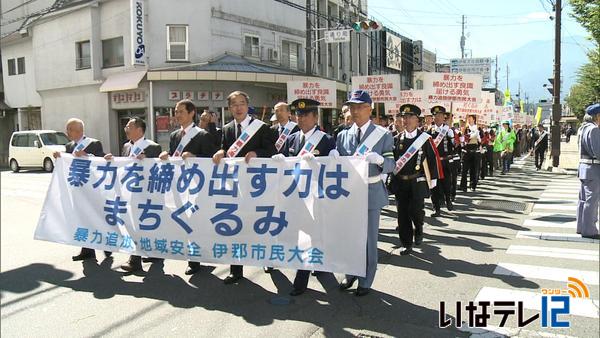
(330, 55)
(289, 54)
(177, 43)
(12, 67)
(112, 52)
(83, 60)
(251, 46)
(21, 65)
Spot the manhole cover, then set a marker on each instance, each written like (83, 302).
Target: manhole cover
(503, 205)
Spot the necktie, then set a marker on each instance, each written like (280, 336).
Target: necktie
(280, 130)
(358, 136)
(239, 130)
(301, 143)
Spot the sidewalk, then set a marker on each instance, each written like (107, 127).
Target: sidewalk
(569, 154)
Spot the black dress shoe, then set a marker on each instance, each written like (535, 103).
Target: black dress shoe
(107, 254)
(232, 279)
(267, 269)
(464, 189)
(450, 206)
(418, 239)
(132, 266)
(84, 254)
(297, 292)
(315, 273)
(192, 268)
(453, 198)
(596, 236)
(152, 259)
(436, 214)
(361, 292)
(347, 283)
(406, 251)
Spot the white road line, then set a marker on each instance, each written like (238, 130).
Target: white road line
(547, 273)
(562, 191)
(568, 196)
(577, 254)
(536, 223)
(555, 236)
(555, 207)
(551, 214)
(533, 300)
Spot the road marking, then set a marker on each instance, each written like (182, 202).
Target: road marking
(555, 236)
(496, 331)
(533, 300)
(555, 201)
(555, 207)
(536, 223)
(547, 273)
(578, 254)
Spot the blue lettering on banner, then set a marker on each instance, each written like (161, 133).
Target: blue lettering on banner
(97, 237)
(296, 173)
(219, 250)
(224, 177)
(258, 251)
(145, 244)
(223, 228)
(259, 179)
(105, 169)
(315, 256)
(194, 250)
(113, 209)
(79, 172)
(177, 247)
(187, 177)
(277, 253)
(127, 242)
(239, 250)
(161, 177)
(148, 214)
(175, 215)
(81, 234)
(263, 224)
(133, 178)
(296, 252)
(112, 238)
(160, 245)
(334, 191)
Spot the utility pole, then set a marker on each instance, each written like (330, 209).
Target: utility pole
(507, 76)
(556, 107)
(308, 40)
(462, 39)
(496, 73)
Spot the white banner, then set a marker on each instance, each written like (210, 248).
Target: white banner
(291, 214)
(381, 88)
(138, 47)
(393, 52)
(323, 91)
(452, 87)
(415, 97)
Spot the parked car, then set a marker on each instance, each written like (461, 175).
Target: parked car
(34, 149)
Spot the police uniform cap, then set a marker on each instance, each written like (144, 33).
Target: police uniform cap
(410, 109)
(593, 109)
(303, 106)
(439, 109)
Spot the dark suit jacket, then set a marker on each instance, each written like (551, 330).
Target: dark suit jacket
(152, 150)
(202, 145)
(291, 147)
(94, 148)
(216, 133)
(262, 143)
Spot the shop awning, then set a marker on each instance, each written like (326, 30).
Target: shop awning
(122, 81)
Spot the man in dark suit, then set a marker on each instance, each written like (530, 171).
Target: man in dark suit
(299, 144)
(283, 115)
(540, 146)
(260, 144)
(80, 146)
(137, 147)
(198, 143)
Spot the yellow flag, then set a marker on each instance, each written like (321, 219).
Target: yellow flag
(506, 96)
(538, 116)
(522, 103)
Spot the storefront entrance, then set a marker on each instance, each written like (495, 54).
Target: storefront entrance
(124, 116)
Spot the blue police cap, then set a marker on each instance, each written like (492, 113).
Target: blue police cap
(359, 96)
(593, 109)
(304, 106)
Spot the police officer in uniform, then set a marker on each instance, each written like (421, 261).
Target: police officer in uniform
(411, 184)
(306, 111)
(471, 154)
(381, 161)
(589, 174)
(443, 190)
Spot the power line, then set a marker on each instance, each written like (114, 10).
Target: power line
(18, 6)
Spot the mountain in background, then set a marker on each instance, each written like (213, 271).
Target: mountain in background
(533, 63)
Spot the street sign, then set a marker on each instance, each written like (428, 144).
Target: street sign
(335, 36)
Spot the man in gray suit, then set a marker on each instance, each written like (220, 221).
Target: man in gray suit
(137, 147)
(377, 145)
(589, 174)
(82, 146)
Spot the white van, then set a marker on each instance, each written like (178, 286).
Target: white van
(34, 149)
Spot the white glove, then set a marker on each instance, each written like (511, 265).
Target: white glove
(433, 183)
(278, 157)
(374, 158)
(334, 154)
(308, 157)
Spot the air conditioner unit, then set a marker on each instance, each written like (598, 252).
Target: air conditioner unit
(273, 54)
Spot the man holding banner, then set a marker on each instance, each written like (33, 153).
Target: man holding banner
(137, 147)
(188, 141)
(443, 138)
(376, 144)
(309, 141)
(82, 146)
(246, 137)
(415, 174)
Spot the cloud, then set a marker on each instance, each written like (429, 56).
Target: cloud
(534, 16)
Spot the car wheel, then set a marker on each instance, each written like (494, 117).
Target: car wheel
(14, 166)
(48, 165)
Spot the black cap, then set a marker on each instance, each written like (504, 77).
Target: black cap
(439, 109)
(303, 106)
(410, 109)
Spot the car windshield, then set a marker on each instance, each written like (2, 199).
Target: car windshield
(51, 139)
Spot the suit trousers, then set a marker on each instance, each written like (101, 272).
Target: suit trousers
(443, 189)
(539, 157)
(372, 258)
(471, 163)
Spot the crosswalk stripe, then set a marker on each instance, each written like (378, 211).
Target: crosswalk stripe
(555, 236)
(536, 223)
(550, 200)
(577, 254)
(559, 195)
(569, 191)
(555, 207)
(533, 300)
(547, 273)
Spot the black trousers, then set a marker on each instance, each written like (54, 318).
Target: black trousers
(236, 270)
(539, 157)
(410, 204)
(471, 163)
(454, 168)
(301, 280)
(487, 166)
(443, 189)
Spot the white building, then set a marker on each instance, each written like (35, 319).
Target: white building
(77, 59)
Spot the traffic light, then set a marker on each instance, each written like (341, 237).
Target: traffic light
(366, 25)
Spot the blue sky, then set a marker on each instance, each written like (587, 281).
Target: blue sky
(492, 27)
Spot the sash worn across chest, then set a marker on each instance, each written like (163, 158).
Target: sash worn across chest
(246, 136)
(411, 151)
(185, 140)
